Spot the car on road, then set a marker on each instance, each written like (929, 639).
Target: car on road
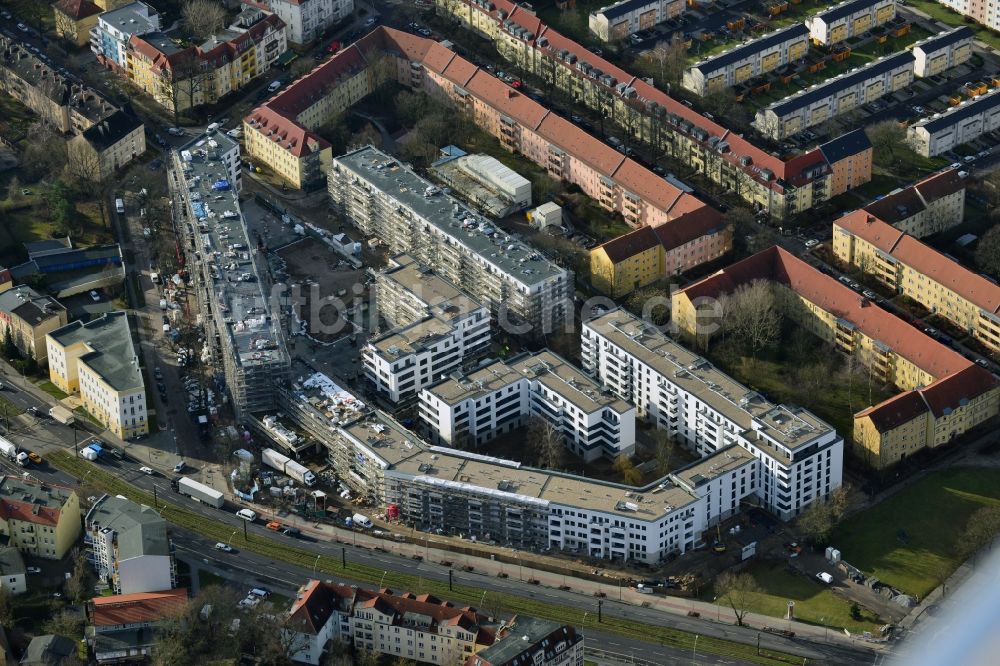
(247, 514)
(969, 158)
(982, 362)
(33, 411)
(274, 526)
(35, 458)
(291, 531)
(333, 47)
(224, 547)
(33, 570)
(955, 165)
(94, 296)
(260, 593)
(812, 242)
(148, 471)
(157, 373)
(179, 467)
(370, 22)
(175, 131)
(22, 27)
(6, 15)
(869, 294)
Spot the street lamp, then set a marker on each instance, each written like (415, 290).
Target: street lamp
(316, 564)
(380, 580)
(694, 650)
(229, 541)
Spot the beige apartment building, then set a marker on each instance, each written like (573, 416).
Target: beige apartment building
(927, 207)
(945, 395)
(904, 264)
(97, 360)
(39, 519)
(849, 19)
(939, 53)
(745, 61)
(28, 317)
(108, 145)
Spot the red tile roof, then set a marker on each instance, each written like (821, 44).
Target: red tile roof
(591, 151)
(924, 259)
(77, 9)
(908, 201)
(506, 100)
(141, 607)
(630, 244)
(671, 235)
(313, 607)
(897, 410)
(28, 501)
(292, 136)
(307, 90)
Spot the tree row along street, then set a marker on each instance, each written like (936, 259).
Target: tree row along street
(332, 558)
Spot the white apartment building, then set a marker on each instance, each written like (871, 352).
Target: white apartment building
(748, 60)
(799, 457)
(109, 38)
(941, 52)
(627, 17)
(527, 293)
(983, 12)
(436, 330)
(849, 19)
(967, 121)
(129, 546)
(841, 94)
(466, 411)
(305, 20)
(98, 361)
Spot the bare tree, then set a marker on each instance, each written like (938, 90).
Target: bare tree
(666, 61)
(546, 443)
(666, 452)
(45, 154)
(886, 137)
(65, 623)
(6, 609)
(816, 523)
(738, 591)
(203, 18)
(752, 315)
(81, 582)
(980, 531)
(988, 251)
(630, 474)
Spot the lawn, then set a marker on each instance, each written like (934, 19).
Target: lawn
(945, 15)
(207, 578)
(814, 602)
(51, 389)
(879, 184)
(932, 513)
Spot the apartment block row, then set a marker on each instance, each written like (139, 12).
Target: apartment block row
(97, 361)
(101, 137)
(780, 185)
(205, 178)
(435, 329)
(904, 264)
(926, 207)
(981, 11)
(944, 395)
(182, 77)
(128, 546)
(849, 20)
(841, 94)
(939, 53)
(621, 19)
(110, 36)
(421, 628)
(799, 456)
(746, 61)
(525, 291)
(966, 122)
(467, 410)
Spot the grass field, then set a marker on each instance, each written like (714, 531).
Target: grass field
(51, 389)
(932, 513)
(945, 15)
(814, 603)
(508, 603)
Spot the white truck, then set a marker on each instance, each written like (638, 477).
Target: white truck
(287, 466)
(8, 448)
(200, 492)
(61, 415)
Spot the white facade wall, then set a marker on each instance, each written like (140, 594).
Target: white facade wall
(125, 410)
(149, 573)
(15, 584)
(305, 20)
(959, 125)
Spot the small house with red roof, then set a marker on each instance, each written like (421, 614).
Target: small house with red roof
(122, 628)
(40, 519)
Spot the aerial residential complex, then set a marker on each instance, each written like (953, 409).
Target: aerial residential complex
(416, 627)
(779, 185)
(204, 175)
(621, 19)
(927, 207)
(907, 266)
(98, 361)
(941, 52)
(39, 519)
(745, 61)
(305, 20)
(967, 121)
(849, 19)
(943, 394)
(816, 105)
(800, 457)
(389, 201)
(436, 329)
(130, 548)
(980, 11)
(179, 77)
(466, 411)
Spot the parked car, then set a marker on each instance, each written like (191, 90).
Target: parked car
(179, 467)
(35, 458)
(33, 570)
(148, 471)
(94, 296)
(812, 242)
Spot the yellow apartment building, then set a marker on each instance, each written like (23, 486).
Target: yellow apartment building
(97, 361)
(28, 317)
(39, 519)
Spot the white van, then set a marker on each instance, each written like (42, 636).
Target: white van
(361, 520)
(212, 127)
(274, 86)
(119, 205)
(247, 514)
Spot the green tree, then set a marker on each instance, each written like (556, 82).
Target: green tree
(887, 137)
(59, 199)
(9, 349)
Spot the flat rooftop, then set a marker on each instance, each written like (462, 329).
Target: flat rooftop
(410, 339)
(112, 354)
(225, 245)
(469, 229)
(721, 462)
(335, 405)
(791, 426)
(442, 298)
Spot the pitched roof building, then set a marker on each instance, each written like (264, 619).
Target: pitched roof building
(40, 519)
